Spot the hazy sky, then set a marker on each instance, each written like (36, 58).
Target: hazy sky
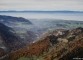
(76, 5)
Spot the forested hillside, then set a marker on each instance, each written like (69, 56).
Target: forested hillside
(59, 44)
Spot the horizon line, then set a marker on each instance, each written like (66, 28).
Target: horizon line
(39, 10)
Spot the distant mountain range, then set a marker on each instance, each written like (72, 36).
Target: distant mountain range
(44, 11)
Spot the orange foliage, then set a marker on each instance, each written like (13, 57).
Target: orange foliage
(33, 49)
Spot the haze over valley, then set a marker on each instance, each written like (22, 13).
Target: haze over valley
(23, 31)
(41, 29)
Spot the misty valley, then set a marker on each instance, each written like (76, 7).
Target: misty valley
(40, 39)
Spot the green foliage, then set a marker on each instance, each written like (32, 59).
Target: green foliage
(24, 58)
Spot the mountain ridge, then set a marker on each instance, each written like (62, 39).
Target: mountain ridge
(60, 50)
(41, 11)
(10, 41)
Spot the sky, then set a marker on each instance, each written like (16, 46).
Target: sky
(73, 5)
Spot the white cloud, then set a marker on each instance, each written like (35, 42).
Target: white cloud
(41, 5)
